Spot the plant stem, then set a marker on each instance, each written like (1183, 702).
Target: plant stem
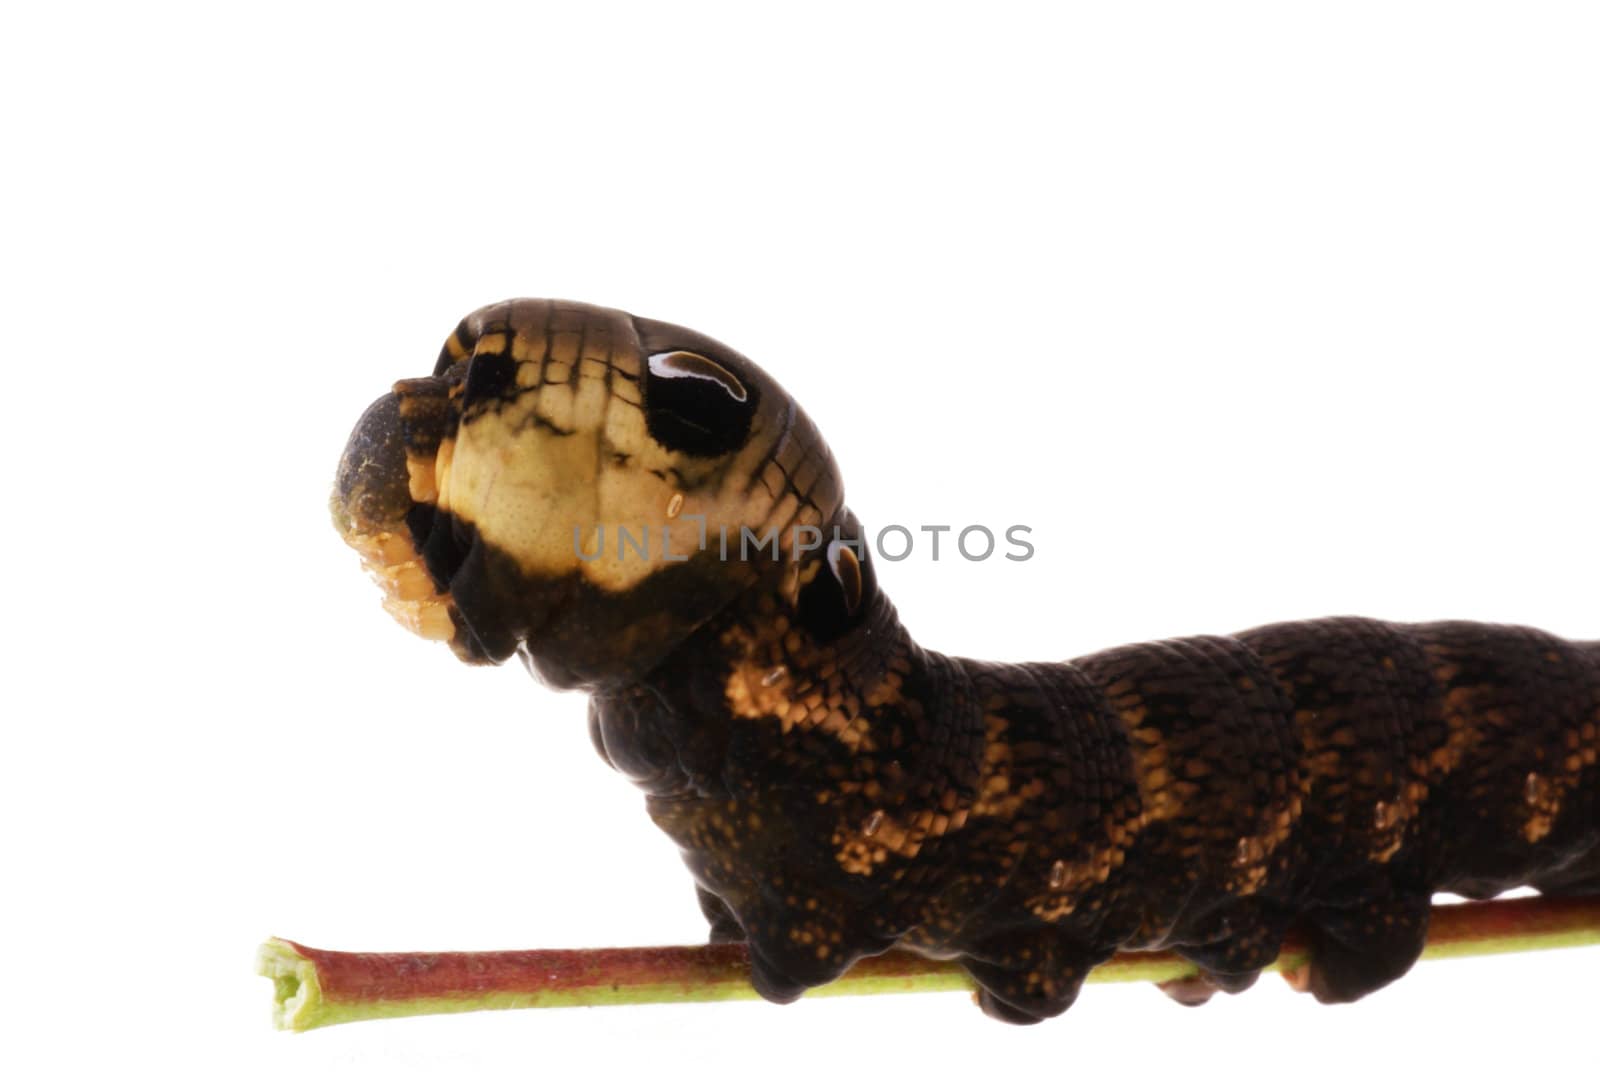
(318, 987)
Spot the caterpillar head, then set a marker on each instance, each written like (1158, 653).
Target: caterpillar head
(558, 489)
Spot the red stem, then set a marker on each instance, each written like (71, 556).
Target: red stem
(352, 986)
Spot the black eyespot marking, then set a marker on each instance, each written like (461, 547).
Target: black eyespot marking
(696, 405)
(491, 377)
(832, 603)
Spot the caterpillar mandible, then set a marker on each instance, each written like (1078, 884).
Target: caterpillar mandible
(837, 790)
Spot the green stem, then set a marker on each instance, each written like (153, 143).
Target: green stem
(318, 987)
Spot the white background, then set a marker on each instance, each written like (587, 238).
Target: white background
(1251, 311)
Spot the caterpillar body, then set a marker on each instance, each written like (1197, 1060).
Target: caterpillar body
(838, 790)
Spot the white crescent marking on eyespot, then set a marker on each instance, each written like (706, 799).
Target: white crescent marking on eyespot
(693, 364)
(846, 568)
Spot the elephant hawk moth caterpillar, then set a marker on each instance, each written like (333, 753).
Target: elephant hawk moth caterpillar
(837, 790)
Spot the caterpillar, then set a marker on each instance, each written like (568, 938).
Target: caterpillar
(562, 489)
